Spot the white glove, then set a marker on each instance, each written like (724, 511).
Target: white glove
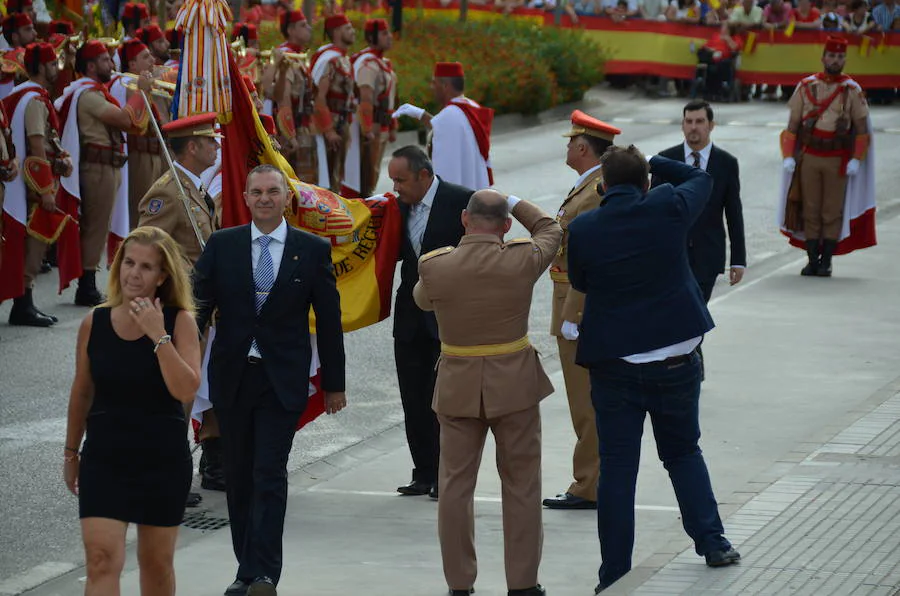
(790, 164)
(410, 110)
(570, 330)
(853, 167)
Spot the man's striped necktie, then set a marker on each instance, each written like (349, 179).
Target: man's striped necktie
(418, 219)
(263, 276)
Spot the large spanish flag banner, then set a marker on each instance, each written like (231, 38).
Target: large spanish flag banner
(640, 47)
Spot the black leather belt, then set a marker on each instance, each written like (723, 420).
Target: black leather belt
(253, 359)
(676, 360)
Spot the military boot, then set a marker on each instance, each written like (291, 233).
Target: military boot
(212, 477)
(812, 253)
(24, 313)
(87, 293)
(828, 247)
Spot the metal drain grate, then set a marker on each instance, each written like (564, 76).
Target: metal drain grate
(205, 523)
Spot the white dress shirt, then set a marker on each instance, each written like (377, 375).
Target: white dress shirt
(704, 155)
(198, 184)
(276, 249)
(419, 213)
(585, 176)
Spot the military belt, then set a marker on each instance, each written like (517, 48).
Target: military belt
(560, 276)
(486, 349)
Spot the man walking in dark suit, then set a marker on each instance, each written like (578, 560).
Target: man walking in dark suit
(706, 240)
(262, 279)
(431, 211)
(644, 317)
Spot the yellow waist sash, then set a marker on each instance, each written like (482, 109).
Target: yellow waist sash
(487, 349)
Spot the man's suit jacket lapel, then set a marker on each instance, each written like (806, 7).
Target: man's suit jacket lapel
(244, 260)
(436, 217)
(406, 249)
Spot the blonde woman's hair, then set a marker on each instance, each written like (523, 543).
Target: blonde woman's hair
(175, 290)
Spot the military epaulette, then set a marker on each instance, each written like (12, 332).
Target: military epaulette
(164, 179)
(436, 252)
(518, 241)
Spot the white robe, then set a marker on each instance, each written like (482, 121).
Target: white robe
(454, 149)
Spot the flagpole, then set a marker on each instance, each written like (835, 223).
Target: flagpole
(165, 150)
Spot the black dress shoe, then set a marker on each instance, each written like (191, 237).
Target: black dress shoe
(415, 488)
(193, 499)
(462, 592)
(433, 493)
(568, 501)
(262, 586)
(722, 558)
(599, 588)
(537, 590)
(238, 588)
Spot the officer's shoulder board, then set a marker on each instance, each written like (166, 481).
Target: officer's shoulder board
(519, 241)
(444, 250)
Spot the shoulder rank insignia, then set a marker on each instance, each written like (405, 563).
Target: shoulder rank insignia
(438, 251)
(515, 241)
(154, 207)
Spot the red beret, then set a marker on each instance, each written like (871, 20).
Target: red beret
(62, 26)
(448, 69)
(335, 21)
(268, 123)
(135, 10)
(149, 34)
(198, 125)
(373, 25)
(247, 30)
(129, 50)
(43, 53)
(582, 124)
(838, 45)
(91, 49)
(248, 82)
(292, 16)
(15, 21)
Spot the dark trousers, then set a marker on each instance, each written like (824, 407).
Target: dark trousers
(416, 361)
(623, 394)
(257, 433)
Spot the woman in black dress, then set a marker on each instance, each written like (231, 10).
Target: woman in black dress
(137, 363)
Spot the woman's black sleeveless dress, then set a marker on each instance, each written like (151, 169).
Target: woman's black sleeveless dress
(135, 464)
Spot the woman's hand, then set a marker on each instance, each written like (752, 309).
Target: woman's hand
(70, 473)
(148, 315)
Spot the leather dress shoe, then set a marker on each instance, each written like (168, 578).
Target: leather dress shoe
(193, 499)
(415, 488)
(238, 588)
(599, 588)
(433, 493)
(722, 558)
(568, 501)
(262, 586)
(537, 590)
(461, 592)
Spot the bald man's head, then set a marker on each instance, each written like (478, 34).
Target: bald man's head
(487, 213)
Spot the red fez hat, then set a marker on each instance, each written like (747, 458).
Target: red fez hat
(135, 10)
(292, 16)
(91, 49)
(376, 25)
(448, 69)
(18, 5)
(62, 26)
(247, 30)
(130, 49)
(837, 45)
(248, 82)
(57, 40)
(335, 21)
(149, 34)
(15, 21)
(175, 37)
(582, 124)
(198, 125)
(39, 53)
(268, 123)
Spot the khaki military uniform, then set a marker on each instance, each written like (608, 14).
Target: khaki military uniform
(831, 114)
(100, 176)
(37, 123)
(568, 305)
(299, 97)
(377, 74)
(145, 166)
(163, 208)
(339, 99)
(489, 377)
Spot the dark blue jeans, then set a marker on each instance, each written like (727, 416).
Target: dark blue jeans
(622, 394)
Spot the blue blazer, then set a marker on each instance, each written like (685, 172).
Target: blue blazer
(629, 256)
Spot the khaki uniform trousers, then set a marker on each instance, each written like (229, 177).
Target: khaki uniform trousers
(99, 183)
(336, 159)
(370, 162)
(144, 169)
(823, 188)
(586, 458)
(518, 440)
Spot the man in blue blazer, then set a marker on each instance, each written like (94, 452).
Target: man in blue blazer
(644, 317)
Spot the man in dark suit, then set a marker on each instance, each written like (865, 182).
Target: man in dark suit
(644, 317)
(706, 240)
(431, 210)
(262, 279)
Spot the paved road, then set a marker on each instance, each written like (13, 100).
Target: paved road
(39, 535)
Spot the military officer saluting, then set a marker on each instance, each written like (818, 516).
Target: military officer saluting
(194, 148)
(588, 140)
